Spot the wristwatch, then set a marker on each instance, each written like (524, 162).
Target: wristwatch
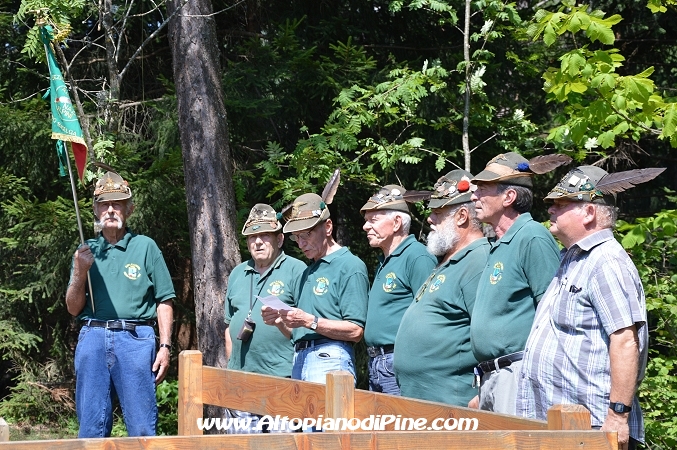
(313, 326)
(619, 408)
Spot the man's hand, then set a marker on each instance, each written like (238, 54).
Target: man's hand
(619, 423)
(273, 317)
(296, 318)
(475, 402)
(270, 316)
(82, 260)
(165, 318)
(161, 365)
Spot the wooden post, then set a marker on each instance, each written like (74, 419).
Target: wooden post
(575, 417)
(190, 406)
(340, 395)
(4, 430)
(569, 417)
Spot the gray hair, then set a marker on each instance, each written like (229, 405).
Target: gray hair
(472, 213)
(406, 218)
(524, 199)
(606, 215)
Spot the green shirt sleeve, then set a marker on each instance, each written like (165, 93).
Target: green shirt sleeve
(546, 254)
(353, 299)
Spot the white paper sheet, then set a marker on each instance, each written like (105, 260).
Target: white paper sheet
(274, 302)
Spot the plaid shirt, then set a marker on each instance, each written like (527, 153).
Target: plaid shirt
(595, 292)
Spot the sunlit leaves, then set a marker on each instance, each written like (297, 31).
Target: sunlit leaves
(599, 103)
(56, 13)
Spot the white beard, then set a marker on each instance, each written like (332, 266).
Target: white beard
(441, 240)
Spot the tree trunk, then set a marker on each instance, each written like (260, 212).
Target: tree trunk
(207, 166)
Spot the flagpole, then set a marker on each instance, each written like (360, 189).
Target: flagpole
(82, 234)
(66, 129)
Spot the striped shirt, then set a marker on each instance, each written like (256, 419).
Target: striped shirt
(595, 292)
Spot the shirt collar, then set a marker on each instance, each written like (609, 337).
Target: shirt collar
(333, 255)
(122, 243)
(467, 249)
(593, 240)
(275, 265)
(406, 242)
(521, 220)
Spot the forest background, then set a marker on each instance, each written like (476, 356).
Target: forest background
(273, 97)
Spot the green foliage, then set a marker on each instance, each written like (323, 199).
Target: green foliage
(57, 13)
(660, 6)
(14, 341)
(601, 105)
(167, 394)
(652, 244)
(39, 396)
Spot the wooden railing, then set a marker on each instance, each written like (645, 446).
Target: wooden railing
(568, 426)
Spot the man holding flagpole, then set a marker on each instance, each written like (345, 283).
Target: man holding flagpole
(116, 352)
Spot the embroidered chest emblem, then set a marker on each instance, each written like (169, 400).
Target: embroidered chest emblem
(132, 271)
(276, 288)
(437, 283)
(390, 284)
(322, 286)
(497, 273)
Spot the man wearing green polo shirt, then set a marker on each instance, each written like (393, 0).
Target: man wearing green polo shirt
(131, 289)
(433, 357)
(403, 267)
(332, 306)
(264, 349)
(521, 264)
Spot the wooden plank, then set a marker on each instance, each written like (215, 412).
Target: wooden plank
(368, 403)
(404, 440)
(569, 417)
(4, 430)
(190, 406)
(262, 394)
(340, 395)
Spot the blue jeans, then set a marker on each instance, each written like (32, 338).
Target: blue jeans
(313, 363)
(115, 362)
(382, 375)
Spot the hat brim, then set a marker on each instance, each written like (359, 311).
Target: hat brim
(112, 197)
(262, 227)
(609, 200)
(436, 203)
(487, 176)
(398, 205)
(305, 224)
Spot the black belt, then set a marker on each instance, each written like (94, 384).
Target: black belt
(384, 350)
(126, 325)
(498, 363)
(302, 345)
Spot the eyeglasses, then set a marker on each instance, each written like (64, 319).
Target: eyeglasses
(305, 236)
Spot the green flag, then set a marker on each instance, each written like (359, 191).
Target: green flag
(65, 124)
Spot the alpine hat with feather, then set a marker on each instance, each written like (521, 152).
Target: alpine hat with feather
(389, 197)
(513, 168)
(596, 185)
(308, 210)
(451, 189)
